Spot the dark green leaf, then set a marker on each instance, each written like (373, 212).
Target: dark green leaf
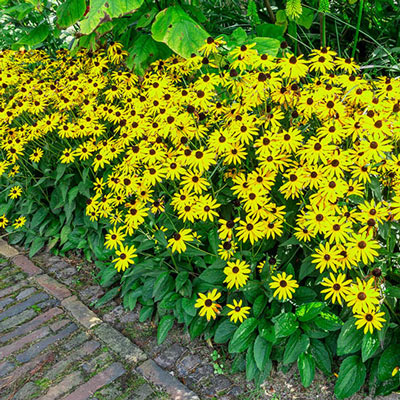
(166, 323)
(350, 338)
(69, 12)
(241, 338)
(351, 377)
(321, 355)
(36, 246)
(110, 294)
(370, 345)
(285, 325)
(306, 366)
(251, 367)
(388, 361)
(262, 351)
(297, 344)
(225, 331)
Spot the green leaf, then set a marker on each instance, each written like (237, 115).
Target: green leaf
(328, 321)
(188, 306)
(69, 12)
(285, 325)
(165, 325)
(35, 36)
(251, 367)
(270, 30)
(163, 285)
(19, 11)
(306, 268)
(370, 345)
(265, 45)
(297, 344)
(252, 12)
(309, 311)
(267, 330)
(213, 240)
(147, 18)
(197, 326)
(321, 355)
(108, 276)
(110, 294)
(262, 351)
(350, 338)
(393, 291)
(351, 377)
(225, 331)
(65, 232)
(160, 236)
(242, 338)
(306, 18)
(306, 366)
(213, 275)
(104, 10)
(36, 246)
(144, 51)
(38, 217)
(388, 361)
(178, 31)
(259, 305)
(181, 279)
(145, 313)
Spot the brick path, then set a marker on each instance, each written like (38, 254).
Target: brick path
(54, 347)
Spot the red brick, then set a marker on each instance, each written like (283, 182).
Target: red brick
(51, 286)
(26, 265)
(19, 344)
(103, 378)
(33, 324)
(56, 326)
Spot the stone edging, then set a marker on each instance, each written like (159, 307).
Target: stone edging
(113, 339)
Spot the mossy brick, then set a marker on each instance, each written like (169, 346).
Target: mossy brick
(51, 286)
(68, 383)
(32, 324)
(119, 344)
(80, 312)
(103, 378)
(26, 265)
(43, 344)
(159, 377)
(18, 319)
(18, 308)
(6, 367)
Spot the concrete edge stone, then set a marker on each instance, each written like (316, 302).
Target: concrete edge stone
(161, 378)
(6, 250)
(84, 315)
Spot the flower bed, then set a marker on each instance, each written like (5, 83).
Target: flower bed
(254, 200)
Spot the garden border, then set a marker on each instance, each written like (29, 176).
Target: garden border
(116, 341)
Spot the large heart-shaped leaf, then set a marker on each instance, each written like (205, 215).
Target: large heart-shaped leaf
(69, 12)
(178, 31)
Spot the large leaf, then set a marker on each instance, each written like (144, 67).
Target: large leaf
(285, 325)
(297, 344)
(35, 36)
(36, 245)
(306, 366)
(265, 45)
(351, 377)
(225, 331)
(178, 31)
(262, 351)
(69, 12)
(350, 338)
(166, 323)
(309, 311)
(242, 338)
(388, 361)
(104, 10)
(321, 355)
(144, 51)
(370, 345)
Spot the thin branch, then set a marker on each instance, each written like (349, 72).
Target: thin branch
(270, 12)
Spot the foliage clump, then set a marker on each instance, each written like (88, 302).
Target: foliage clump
(254, 199)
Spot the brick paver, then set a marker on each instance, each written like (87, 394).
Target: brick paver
(53, 347)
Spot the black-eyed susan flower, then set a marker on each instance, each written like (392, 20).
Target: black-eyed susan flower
(336, 287)
(238, 311)
(370, 320)
(126, 255)
(363, 247)
(115, 238)
(326, 257)
(208, 304)
(3, 221)
(362, 296)
(19, 222)
(237, 273)
(179, 239)
(284, 285)
(15, 192)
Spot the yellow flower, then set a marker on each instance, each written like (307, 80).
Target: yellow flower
(3, 221)
(19, 222)
(237, 274)
(370, 320)
(179, 239)
(15, 192)
(284, 286)
(337, 287)
(362, 297)
(238, 311)
(207, 303)
(125, 254)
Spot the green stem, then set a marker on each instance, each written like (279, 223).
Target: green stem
(360, 10)
(322, 23)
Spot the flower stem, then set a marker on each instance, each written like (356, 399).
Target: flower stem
(360, 10)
